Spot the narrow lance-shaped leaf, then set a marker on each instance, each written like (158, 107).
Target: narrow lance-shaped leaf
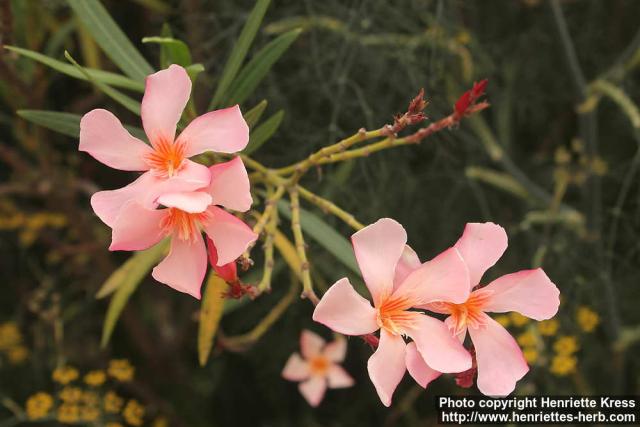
(134, 269)
(105, 77)
(210, 315)
(324, 234)
(176, 51)
(262, 133)
(239, 51)
(126, 101)
(256, 69)
(121, 297)
(253, 115)
(65, 123)
(111, 39)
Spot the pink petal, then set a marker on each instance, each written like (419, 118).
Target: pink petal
(387, 366)
(222, 131)
(339, 378)
(103, 137)
(418, 369)
(378, 247)
(438, 347)
(185, 266)
(500, 360)
(136, 228)
(344, 310)
(481, 246)
(310, 344)
(529, 292)
(230, 185)
(336, 350)
(313, 390)
(230, 235)
(408, 262)
(188, 201)
(444, 278)
(296, 369)
(107, 204)
(165, 96)
(191, 176)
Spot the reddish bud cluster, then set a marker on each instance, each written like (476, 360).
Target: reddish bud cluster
(371, 339)
(470, 97)
(465, 379)
(229, 272)
(412, 116)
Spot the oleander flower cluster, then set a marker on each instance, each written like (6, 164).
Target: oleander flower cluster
(174, 197)
(424, 318)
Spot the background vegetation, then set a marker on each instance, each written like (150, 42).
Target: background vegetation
(554, 160)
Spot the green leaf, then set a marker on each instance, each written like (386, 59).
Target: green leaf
(65, 123)
(253, 116)
(111, 39)
(124, 100)
(133, 270)
(263, 132)
(193, 70)
(256, 69)
(176, 51)
(324, 234)
(129, 279)
(105, 77)
(210, 315)
(239, 51)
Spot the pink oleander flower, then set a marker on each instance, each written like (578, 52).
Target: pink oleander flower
(500, 362)
(388, 270)
(166, 161)
(318, 368)
(185, 216)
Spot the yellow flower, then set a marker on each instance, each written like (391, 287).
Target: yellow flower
(503, 319)
(518, 319)
(133, 413)
(38, 405)
(562, 365)
(68, 413)
(95, 378)
(548, 327)
(17, 354)
(527, 339)
(530, 354)
(70, 394)
(121, 370)
(566, 345)
(160, 422)
(112, 402)
(65, 374)
(89, 413)
(587, 319)
(113, 425)
(9, 335)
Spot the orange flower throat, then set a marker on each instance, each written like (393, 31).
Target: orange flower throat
(319, 365)
(470, 313)
(183, 225)
(166, 158)
(394, 315)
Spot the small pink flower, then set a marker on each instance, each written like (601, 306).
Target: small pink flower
(397, 284)
(318, 367)
(187, 214)
(166, 161)
(500, 362)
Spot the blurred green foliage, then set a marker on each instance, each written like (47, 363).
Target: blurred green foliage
(555, 161)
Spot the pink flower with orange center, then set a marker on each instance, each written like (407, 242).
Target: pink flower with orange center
(318, 368)
(165, 162)
(185, 216)
(500, 361)
(398, 283)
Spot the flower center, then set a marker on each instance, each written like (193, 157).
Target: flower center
(394, 316)
(319, 365)
(183, 225)
(470, 313)
(166, 158)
